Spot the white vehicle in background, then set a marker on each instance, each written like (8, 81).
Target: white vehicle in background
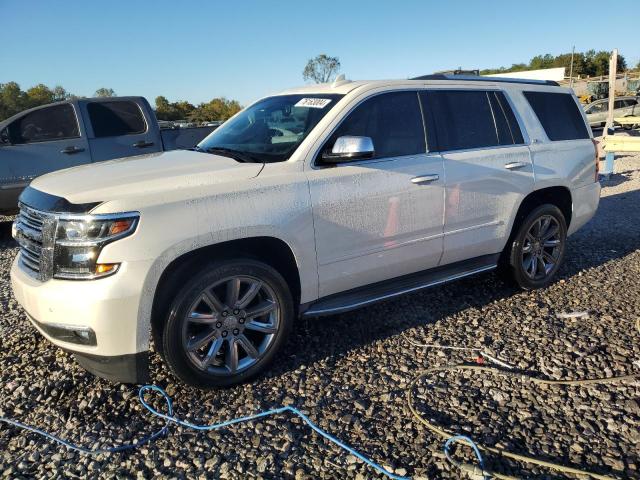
(312, 202)
(598, 111)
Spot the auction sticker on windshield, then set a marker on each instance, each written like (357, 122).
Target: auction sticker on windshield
(313, 102)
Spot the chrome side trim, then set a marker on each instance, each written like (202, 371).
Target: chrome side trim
(11, 186)
(386, 248)
(495, 223)
(312, 313)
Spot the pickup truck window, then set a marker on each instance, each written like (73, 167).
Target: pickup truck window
(57, 122)
(559, 115)
(271, 129)
(113, 119)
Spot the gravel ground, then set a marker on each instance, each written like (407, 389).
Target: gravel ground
(350, 382)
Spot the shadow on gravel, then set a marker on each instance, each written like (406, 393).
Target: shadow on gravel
(615, 179)
(613, 233)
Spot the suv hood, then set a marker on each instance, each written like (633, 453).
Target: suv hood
(144, 174)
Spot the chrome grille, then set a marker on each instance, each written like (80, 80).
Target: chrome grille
(34, 234)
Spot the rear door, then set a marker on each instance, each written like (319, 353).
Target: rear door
(487, 166)
(38, 142)
(380, 218)
(120, 128)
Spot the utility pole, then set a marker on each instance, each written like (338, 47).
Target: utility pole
(573, 51)
(608, 128)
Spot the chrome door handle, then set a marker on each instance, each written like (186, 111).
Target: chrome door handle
(71, 150)
(515, 165)
(425, 179)
(142, 144)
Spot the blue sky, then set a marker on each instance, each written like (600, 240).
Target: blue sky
(197, 50)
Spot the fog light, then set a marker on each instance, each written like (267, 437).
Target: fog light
(84, 335)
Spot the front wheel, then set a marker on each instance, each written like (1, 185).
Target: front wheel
(538, 248)
(227, 323)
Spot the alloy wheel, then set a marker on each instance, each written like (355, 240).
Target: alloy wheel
(231, 325)
(542, 248)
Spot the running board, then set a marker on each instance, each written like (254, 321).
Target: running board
(362, 296)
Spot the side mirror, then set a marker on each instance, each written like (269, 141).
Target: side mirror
(349, 148)
(4, 136)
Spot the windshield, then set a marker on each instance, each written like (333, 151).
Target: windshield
(271, 129)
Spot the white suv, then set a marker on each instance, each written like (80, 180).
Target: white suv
(312, 202)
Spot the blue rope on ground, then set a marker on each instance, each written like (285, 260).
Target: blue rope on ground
(170, 418)
(468, 441)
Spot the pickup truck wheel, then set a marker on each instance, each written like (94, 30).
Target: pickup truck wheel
(227, 323)
(538, 247)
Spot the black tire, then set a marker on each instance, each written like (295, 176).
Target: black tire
(178, 336)
(516, 265)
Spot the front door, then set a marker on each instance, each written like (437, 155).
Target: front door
(380, 218)
(41, 141)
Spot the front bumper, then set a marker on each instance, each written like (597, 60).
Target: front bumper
(97, 320)
(133, 368)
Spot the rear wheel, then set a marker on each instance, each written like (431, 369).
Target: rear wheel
(538, 248)
(226, 324)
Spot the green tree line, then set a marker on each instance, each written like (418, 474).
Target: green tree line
(14, 100)
(216, 109)
(590, 63)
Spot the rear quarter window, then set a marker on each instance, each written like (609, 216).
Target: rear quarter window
(558, 114)
(112, 119)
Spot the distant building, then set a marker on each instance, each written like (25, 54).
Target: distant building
(556, 74)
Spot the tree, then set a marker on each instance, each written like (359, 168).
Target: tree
(321, 69)
(39, 95)
(104, 92)
(216, 109)
(12, 99)
(589, 63)
(59, 94)
(541, 61)
(163, 109)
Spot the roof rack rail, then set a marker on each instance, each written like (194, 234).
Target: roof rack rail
(474, 78)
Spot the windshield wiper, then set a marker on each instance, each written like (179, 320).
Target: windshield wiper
(231, 153)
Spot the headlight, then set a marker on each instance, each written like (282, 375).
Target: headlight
(80, 239)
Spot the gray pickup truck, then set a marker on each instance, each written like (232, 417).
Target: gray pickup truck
(80, 131)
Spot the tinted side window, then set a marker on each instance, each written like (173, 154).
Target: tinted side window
(46, 124)
(112, 119)
(558, 114)
(514, 128)
(392, 120)
(462, 119)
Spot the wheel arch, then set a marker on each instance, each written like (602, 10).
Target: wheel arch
(559, 196)
(270, 250)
